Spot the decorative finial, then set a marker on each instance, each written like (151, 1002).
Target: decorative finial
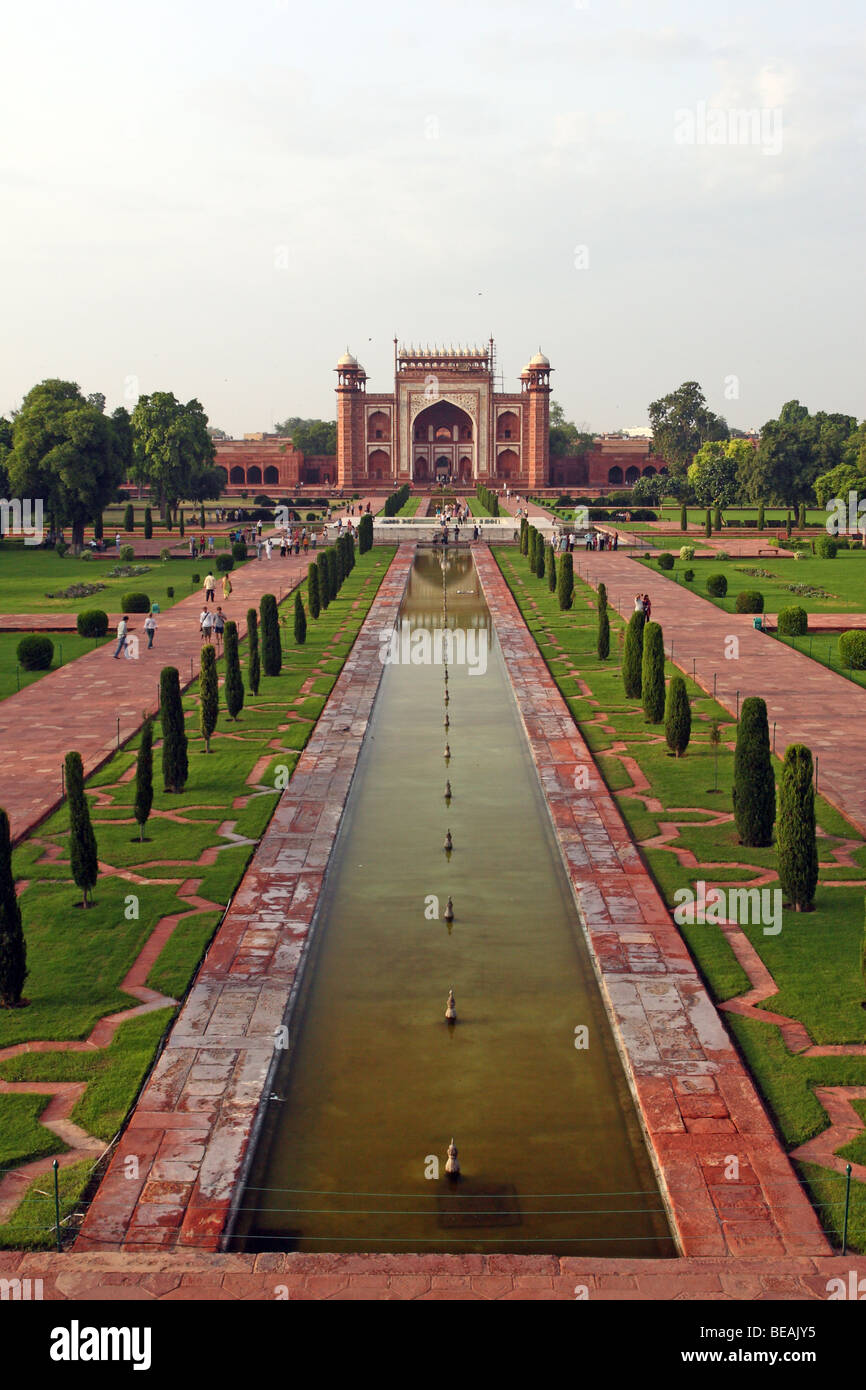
(448, 842)
(449, 911)
(452, 1167)
(447, 791)
(446, 721)
(451, 1007)
(447, 751)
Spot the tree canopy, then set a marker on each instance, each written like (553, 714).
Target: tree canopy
(172, 449)
(565, 436)
(681, 423)
(794, 451)
(714, 474)
(310, 436)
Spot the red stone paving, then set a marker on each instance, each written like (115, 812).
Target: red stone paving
(807, 702)
(196, 1112)
(671, 1038)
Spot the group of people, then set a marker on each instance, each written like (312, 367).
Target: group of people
(592, 540)
(642, 605)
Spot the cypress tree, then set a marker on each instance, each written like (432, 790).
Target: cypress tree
(760, 516)
(272, 652)
(300, 620)
(603, 640)
(148, 524)
(129, 518)
(788, 523)
(632, 656)
(254, 668)
(13, 948)
(863, 956)
(539, 556)
(350, 552)
(602, 596)
(684, 517)
(708, 524)
(233, 685)
(339, 554)
(175, 767)
(754, 783)
(565, 581)
(801, 516)
(653, 674)
(144, 778)
(551, 569)
(333, 573)
(524, 536)
(209, 700)
(324, 583)
(313, 590)
(84, 859)
(180, 525)
(201, 519)
(678, 716)
(795, 833)
(717, 517)
(97, 528)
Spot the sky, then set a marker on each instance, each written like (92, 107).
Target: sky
(217, 199)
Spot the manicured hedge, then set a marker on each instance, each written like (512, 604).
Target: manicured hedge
(717, 585)
(794, 622)
(852, 649)
(135, 603)
(35, 652)
(826, 547)
(92, 623)
(666, 561)
(749, 601)
(225, 562)
(239, 550)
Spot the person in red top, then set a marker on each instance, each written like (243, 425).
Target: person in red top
(647, 606)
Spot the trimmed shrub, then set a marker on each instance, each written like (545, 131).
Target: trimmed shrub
(135, 603)
(565, 581)
(666, 561)
(165, 554)
(749, 601)
(684, 520)
(313, 590)
(300, 620)
(801, 516)
(208, 688)
(602, 645)
(13, 948)
(324, 581)
(86, 556)
(272, 652)
(754, 791)
(233, 685)
(126, 554)
(239, 550)
(180, 524)
(333, 575)
(144, 778)
(175, 766)
(717, 517)
(551, 569)
(61, 548)
(254, 665)
(678, 717)
(653, 674)
(170, 591)
(794, 622)
(688, 576)
(224, 563)
(35, 652)
(687, 552)
(92, 623)
(826, 547)
(852, 649)
(540, 548)
(760, 516)
(795, 835)
(129, 517)
(148, 524)
(83, 854)
(717, 585)
(632, 656)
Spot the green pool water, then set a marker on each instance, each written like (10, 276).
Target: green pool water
(375, 1083)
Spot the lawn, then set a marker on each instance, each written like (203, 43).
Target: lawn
(410, 506)
(814, 960)
(79, 958)
(838, 586)
(67, 646)
(28, 574)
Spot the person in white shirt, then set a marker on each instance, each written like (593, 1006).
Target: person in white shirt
(206, 622)
(150, 629)
(121, 636)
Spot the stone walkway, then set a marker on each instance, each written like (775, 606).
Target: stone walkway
(807, 703)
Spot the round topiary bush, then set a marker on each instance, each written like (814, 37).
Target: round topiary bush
(749, 601)
(687, 552)
(666, 561)
(852, 649)
(225, 562)
(311, 516)
(717, 585)
(135, 603)
(86, 555)
(826, 547)
(165, 554)
(688, 576)
(126, 554)
(170, 591)
(35, 652)
(239, 550)
(92, 623)
(794, 622)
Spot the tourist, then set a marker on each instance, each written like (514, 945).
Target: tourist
(122, 629)
(647, 606)
(117, 541)
(306, 540)
(587, 541)
(227, 587)
(315, 538)
(259, 548)
(475, 533)
(211, 544)
(206, 624)
(192, 547)
(616, 540)
(268, 548)
(283, 546)
(638, 604)
(150, 629)
(209, 588)
(219, 624)
(258, 528)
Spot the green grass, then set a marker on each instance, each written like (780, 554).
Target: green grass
(410, 506)
(67, 646)
(31, 1226)
(22, 1137)
(814, 959)
(843, 580)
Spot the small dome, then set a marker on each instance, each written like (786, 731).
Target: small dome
(347, 360)
(539, 360)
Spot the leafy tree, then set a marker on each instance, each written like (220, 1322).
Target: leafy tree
(171, 447)
(754, 790)
(632, 656)
(714, 473)
(13, 948)
(272, 652)
(65, 451)
(300, 620)
(653, 674)
(233, 685)
(795, 833)
(838, 482)
(794, 451)
(649, 492)
(678, 716)
(144, 778)
(254, 668)
(565, 438)
(83, 855)
(313, 590)
(681, 423)
(209, 702)
(310, 436)
(565, 581)
(175, 765)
